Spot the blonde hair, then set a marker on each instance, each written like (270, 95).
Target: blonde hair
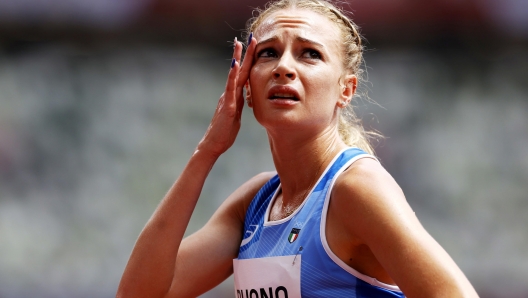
(350, 128)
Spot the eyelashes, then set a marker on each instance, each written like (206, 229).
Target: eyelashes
(267, 53)
(305, 54)
(311, 54)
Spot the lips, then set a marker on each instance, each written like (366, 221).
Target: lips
(283, 93)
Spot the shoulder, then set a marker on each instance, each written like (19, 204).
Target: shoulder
(370, 207)
(240, 199)
(253, 185)
(365, 176)
(369, 200)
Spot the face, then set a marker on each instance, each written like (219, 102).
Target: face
(298, 79)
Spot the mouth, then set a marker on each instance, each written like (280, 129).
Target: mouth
(284, 96)
(283, 93)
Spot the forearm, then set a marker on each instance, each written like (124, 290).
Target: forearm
(151, 266)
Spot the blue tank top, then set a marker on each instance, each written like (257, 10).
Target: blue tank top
(291, 257)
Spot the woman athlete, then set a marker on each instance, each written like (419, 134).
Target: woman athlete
(331, 222)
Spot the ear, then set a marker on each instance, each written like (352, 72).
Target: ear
(248, 95)
(348, 89)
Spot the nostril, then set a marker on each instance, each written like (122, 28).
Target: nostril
(289, 75)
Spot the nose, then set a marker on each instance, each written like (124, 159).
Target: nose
(285, 68)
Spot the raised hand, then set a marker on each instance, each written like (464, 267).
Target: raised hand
(225, 124)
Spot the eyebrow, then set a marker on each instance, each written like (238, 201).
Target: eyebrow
(306, 40)
(301, 39)
(274, 38)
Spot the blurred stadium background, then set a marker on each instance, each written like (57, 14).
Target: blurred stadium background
(102, 102)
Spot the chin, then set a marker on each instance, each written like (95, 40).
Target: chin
(289, 122)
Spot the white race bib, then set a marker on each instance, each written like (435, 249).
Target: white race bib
(272, 277)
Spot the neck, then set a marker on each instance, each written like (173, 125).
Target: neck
(300, 161)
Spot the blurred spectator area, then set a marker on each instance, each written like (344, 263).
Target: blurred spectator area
(102, 102)
(431, 23)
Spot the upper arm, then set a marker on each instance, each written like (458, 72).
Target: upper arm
(374, 210)
(205, 257)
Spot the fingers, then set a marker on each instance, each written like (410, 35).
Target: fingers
(231, 91)
(231, 85)
(248, 60)
(237, 52)
(238, 75)
(245, 69)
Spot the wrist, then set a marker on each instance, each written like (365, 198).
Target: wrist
(203, 154)
(209, 150)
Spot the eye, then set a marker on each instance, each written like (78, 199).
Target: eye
(311, 54)
(267, 53)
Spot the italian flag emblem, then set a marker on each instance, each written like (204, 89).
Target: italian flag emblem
(293, 235)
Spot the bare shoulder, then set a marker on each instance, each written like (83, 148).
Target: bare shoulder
(240, 199)
(365, 177)
(197, 261)
(250, 189)
(228, 219)
(367, 196)
(371, 209)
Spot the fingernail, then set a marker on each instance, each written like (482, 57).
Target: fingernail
(233, 62)
(234, 45)
(250, 37)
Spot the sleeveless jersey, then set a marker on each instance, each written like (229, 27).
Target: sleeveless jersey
(291, 257)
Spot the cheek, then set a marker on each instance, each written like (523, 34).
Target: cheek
(257, 70)
(256, 80)
(324, 89)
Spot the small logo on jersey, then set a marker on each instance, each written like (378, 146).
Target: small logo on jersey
(293, 235)
(251, 235)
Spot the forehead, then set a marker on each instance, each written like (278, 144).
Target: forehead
(303, 22)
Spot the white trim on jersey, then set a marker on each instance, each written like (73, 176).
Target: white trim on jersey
(267, 222)
(329, 252)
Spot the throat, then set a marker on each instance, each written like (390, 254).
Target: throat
(282, 208)
(297, 184)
